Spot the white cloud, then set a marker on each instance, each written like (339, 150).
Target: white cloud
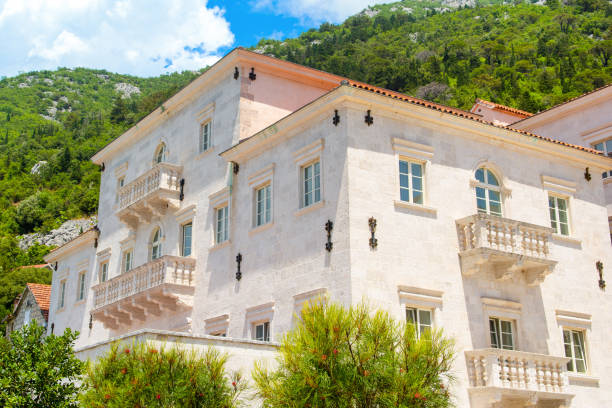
(127, 36)
(316, 11)
(65, 43)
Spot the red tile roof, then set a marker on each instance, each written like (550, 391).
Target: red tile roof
(42, 294)
(510, 109)
(35, 266)
(461, 113)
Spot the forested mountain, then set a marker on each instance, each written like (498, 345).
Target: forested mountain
(523, 55)
(529, 56)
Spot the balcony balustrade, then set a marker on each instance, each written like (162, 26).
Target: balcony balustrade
(163, 285)
(504, 248)
(516, 378)
(151, 194)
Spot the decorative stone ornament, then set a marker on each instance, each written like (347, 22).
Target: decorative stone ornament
(238, 262)
(329, 226)
(373, 240)
(336, 118)
(602, 282)
(369, 119)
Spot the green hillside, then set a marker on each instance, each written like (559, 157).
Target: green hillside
(524, 55)
(527, 56)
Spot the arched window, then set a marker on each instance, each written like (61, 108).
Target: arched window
(160, 154)
(488, 192)
(156, 244)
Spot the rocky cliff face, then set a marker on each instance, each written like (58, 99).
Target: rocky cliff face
(58, 237)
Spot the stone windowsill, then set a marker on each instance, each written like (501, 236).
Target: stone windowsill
(79, 302)
(261, 228)
(219, 246)
(566, 238)
(310, 208)
(582, 379)
(417, 207)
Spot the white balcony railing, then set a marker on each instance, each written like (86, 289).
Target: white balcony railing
(163, 176)
(503, 234)
(504, 246)
(518, 374)
(163, 283)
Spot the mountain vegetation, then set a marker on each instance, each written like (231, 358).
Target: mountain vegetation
(530, 56)
(523, 55)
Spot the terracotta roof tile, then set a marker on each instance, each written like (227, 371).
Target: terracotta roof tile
(510, 109)
(461, 113)
(42, 294)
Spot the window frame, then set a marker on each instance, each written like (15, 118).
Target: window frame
(225, 208)
(488, 188)
(163, 150)
(207, 124)
(500, 332)
(556, 224)
(81, 286)
(62, 294)
(584, 349)
(314, 164)
(266, 212)
(419, 327)
(183, 226)
(124, 260)
(607, 151)
(265, 324)
(103, 275)
(156, 246)
(410, 162)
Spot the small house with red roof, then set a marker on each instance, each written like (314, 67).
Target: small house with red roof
(31, 305)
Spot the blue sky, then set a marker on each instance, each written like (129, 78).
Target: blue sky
(149, 37)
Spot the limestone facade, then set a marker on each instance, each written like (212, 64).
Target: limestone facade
(291, 149)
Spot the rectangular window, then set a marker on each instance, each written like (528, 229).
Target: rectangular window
(62, 294)
(558, 214)
(501, 334)
(81, 287)
(222, 224)
(262, 331)
(311, 184)
(26, 318)
(104, 272)
(606, 148)
(205, 129)
(411, 181)
(421, 318)
(186, 239)
(128, 260)
(573, 340)
(120, 184)
(263, 204)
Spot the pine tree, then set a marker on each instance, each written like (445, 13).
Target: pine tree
(338, 357)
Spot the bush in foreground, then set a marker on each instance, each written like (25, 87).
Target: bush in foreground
(144, 376)
(356, 358)
(38, 371)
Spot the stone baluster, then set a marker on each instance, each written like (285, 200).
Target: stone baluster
(531, 374)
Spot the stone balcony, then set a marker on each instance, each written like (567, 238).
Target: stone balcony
(517, 379)
(502, 248)
(152, 194)
(165, 285)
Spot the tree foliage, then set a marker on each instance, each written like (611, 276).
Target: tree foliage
(356, 358)
(38, 371)
(144, 376)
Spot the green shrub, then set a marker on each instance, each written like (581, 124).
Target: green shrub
(38, 371)
(144, 376)
(338, 357)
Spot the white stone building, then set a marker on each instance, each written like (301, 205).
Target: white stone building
(212, 230)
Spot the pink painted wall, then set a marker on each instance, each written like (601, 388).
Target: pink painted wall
(269, 98)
